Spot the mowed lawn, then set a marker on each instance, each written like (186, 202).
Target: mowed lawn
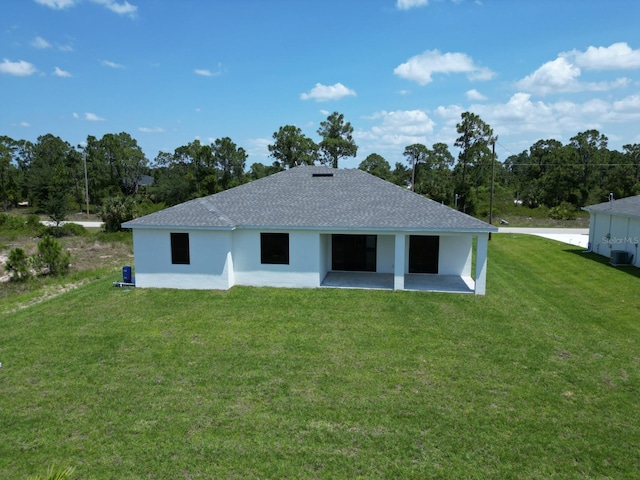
(539, 379)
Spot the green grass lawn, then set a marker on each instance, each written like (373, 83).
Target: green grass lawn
(539, 379)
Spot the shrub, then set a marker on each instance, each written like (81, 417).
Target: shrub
(33, 221)
(117, 210)
(18, 265)
(50, 257)
(11, 222)
(55, 474)
(72, 230)
(564, 211)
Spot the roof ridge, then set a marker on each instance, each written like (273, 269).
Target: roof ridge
(207, 203)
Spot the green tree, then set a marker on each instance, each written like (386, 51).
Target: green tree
(51, 178)
(415, 154)
(561, 179)
(171, 180)
(117, 210)
(337, 140)
(376, 165)
(50, 257)
(118, 163)
(631, 167)
(434, 176)
(18, 265)
(259, 170)
(230, 161)
(475, 157)
(291, 147)
(199, 168)
(9, 173)
(592, 152)
(401, 175)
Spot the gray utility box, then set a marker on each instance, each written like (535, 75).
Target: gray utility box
(619, 257)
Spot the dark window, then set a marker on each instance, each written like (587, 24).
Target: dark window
(274, 248)
(423, 254)
(180, 248)
(353, 253)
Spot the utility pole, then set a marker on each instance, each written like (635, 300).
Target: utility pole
(493, 176)
(86, 180)
(413, 174)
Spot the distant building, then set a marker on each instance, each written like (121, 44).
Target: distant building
(614, 230)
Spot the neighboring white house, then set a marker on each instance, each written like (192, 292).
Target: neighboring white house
(312, 227)
(614, 230)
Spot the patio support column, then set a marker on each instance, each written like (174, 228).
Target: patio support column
(481, 263)
(398, 270)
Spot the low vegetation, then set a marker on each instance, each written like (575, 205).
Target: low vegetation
(35, 259)
(540, 379)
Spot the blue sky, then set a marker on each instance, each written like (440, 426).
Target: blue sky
(401, 71)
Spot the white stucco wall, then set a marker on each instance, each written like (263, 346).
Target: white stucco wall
(385, 255)
(304, 260)
(455, 255)
(220, 259)
(325, 255)
(613, 232)
(210, 260)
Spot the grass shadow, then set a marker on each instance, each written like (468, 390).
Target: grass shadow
(594, 257)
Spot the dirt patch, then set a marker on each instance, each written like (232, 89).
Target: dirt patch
(48, 293)
(4, 275)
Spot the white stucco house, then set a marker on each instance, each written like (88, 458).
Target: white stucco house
(312, 227)
(614, 230)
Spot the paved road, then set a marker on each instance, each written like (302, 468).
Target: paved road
(573, 236)
(49, 223)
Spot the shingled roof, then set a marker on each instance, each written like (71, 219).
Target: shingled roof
(626, 207)
(315, 198)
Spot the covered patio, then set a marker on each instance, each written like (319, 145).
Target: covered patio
(412, 281)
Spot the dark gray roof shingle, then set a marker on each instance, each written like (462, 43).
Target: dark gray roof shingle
(628, 207)
(315, 197)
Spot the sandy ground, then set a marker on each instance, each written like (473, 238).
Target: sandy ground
(4, 276)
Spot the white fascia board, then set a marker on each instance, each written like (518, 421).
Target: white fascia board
(177, 227)
(491, 229)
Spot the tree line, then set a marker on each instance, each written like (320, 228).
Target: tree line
(50, 173)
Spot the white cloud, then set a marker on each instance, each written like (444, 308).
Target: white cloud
(57, 4)
(75, 115)
(92, 117)
(520, 115)
(40, 43)
(399, 128)
(61, 73)
(475, 95)
(618, 56)
(407, 4)
(323, 93)
(151, 130)
(124, 8)
(421, 67)
(19, 69)
(110, 64)
(556, 75)
(629, 104)
(203, 72)
(560, 75)
(25, 124)
(259, 150)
